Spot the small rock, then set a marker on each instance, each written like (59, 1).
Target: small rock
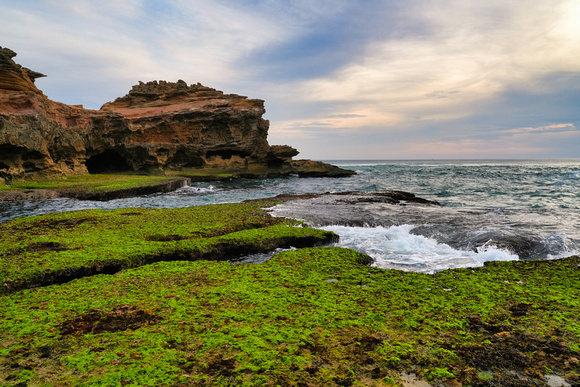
(556, 381)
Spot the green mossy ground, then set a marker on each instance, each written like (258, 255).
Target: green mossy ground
(218, 174)
(312, 316)
(112, 186)
(85, 182)
(90, 187)
(55, 248)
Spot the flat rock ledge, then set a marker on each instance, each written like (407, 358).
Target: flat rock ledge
(355, 197)
(87, 194)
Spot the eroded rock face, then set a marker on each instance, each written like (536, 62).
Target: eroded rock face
(175, 126)
(158, 126)
(15, 77)
(39, 137)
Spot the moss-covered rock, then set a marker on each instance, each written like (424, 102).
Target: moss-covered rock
(143, 297)
(306, 317)
(57, 248)
(91, 187)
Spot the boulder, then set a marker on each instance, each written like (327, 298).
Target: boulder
(157, 127)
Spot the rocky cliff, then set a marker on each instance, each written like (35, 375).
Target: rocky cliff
(15, 77)
(157, 127)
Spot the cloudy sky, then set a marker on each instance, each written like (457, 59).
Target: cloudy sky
(342, 79)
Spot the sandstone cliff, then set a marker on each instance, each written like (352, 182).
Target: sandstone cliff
(14, 76)
(157, 127)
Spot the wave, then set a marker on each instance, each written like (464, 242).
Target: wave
(188, 189)
(396, 248)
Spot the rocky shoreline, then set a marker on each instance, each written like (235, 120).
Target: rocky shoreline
(159, 127)
(91, 194)
(178, 179)
(139, 296)
(136, 296)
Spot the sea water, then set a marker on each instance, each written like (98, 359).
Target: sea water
(395, 247)
(481, 200)
(492, 210)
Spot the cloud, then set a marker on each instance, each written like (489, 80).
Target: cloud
(326, 35)
(387, 78)
(469, 53)
(441, 93)
(113, 43)
(346, 116)
(543, 129)
(471, 149)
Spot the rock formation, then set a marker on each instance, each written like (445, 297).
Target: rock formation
(14, 76)
(157, 127)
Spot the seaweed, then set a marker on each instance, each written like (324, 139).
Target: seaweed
(318, 316)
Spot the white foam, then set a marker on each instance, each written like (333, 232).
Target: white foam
(396, 248)
(189, 189)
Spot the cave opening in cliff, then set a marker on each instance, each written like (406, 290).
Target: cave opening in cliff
(107, 162)
(185, 158)
(226, 154)
(275, 163)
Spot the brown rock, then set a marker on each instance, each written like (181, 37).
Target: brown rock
(158, 126)
(179, 126)
(15, 77)
(282, 152)
(39, 137)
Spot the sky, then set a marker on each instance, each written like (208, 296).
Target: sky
(341, 79)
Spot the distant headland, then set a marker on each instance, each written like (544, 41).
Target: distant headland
(158, 128)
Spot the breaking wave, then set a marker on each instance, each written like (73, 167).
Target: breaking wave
(396, 247)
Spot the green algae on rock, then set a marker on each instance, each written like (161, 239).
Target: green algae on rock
(313, 316)
(57, 248)
(91, 187)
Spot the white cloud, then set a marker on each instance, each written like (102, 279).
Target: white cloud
(471, 52)
(446, 63)
(102, 10)
(113, 42)
(209, 39)
(470, 148)
(543, 129)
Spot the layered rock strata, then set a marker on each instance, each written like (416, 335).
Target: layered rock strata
(15, 77)
(157, 127)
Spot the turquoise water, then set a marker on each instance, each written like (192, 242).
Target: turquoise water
(493, 199)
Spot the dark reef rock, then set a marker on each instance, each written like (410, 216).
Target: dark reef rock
(157, 127)
(352, 208)
(459, 228)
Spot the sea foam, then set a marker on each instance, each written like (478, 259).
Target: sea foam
(396, 247)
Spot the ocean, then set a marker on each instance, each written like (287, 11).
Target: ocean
(490, 209)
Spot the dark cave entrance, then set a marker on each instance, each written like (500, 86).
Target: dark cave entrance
(275, 163)
(107, 162)
(226, 154)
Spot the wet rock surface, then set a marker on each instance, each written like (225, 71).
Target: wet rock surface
(471, 229)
